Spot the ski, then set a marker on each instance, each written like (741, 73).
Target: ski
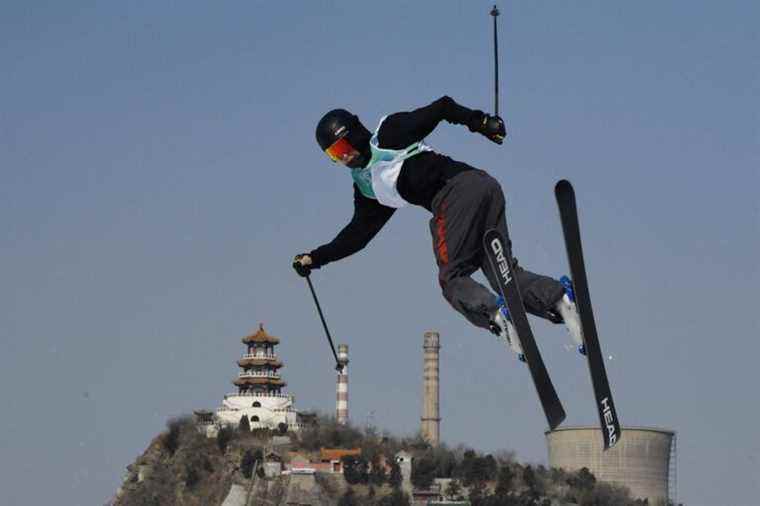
(500, 258)
(568, 211)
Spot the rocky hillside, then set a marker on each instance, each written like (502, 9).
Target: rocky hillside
(182, 466)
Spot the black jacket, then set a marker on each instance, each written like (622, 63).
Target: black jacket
(421, 177)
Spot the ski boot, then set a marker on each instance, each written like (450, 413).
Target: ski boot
(567, 309)
(501, 326)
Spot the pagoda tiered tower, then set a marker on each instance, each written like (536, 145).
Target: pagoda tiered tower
(260, 365)
(259, 395)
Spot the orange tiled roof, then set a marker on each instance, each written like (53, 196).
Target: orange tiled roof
(329, 454)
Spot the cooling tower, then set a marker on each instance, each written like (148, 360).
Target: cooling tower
(641, 460)
(341, 403)
(431, 420)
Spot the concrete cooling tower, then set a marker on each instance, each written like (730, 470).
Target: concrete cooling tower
(643, 460)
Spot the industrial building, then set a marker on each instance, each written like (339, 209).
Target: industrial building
(644, 460)
(431, 414)
(341, 399)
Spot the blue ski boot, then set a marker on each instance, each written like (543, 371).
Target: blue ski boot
(501, 325)
(567, 308)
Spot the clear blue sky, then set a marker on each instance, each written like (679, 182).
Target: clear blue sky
(158, 171)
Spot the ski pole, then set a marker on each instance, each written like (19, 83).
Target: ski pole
(495, 13)
(338, 365)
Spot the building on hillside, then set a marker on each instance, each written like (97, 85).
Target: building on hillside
(301, 464)
(205, 422)
(272, 465)
(431, 495)
(333, 457)
(330, 461)
(436, 495)
(260, 397)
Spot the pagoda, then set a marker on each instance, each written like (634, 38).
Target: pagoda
(259, 395)
(259, 365)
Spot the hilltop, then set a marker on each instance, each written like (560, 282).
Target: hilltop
(332, 464)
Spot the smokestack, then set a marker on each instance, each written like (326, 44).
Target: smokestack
(341, 405)
(431, 420)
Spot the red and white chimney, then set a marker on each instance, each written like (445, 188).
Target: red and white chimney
(341, 406)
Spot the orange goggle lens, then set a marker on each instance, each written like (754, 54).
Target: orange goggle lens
(339, 150)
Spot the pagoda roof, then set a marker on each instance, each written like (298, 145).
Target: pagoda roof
(272, 362)
(248, 380)
(261, 336)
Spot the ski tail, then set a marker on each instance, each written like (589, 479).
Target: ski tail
(500, 258)
(608, 418)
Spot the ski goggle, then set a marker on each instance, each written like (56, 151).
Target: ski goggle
(340, 150)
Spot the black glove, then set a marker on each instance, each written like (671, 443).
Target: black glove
(491, 127)
(301, 269)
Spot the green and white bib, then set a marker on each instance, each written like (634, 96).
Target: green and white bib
(377, 180)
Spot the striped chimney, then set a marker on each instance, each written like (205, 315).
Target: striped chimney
(341, 406)
(431, 419)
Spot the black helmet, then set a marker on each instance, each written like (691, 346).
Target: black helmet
(341, 125)
(335, 125)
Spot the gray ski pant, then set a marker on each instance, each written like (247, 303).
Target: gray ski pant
(468, 205)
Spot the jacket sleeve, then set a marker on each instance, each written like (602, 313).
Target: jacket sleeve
(369, 217)
(401, 129)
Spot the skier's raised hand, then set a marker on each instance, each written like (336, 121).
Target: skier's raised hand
(302, 264)
(491, 127)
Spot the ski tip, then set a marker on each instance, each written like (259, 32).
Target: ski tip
(563, 185)
(611, 444)
(555, 419)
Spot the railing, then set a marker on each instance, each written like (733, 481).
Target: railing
(250, 374)
(260, 355)
(255, 394)
(273, 410)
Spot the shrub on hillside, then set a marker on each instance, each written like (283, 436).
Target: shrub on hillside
(223, 438)
(192, 477)
(349, 498)
(423, 472)
(176, 427)
(377, 475)
(474, 468)
(395, 478)
(397, 498)
(327, 432)
(603, 494)
(355, 469)
(453, 490)
(583, 480)
(504, 482)
(246, 465)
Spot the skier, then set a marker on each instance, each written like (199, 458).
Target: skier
(393, 167)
